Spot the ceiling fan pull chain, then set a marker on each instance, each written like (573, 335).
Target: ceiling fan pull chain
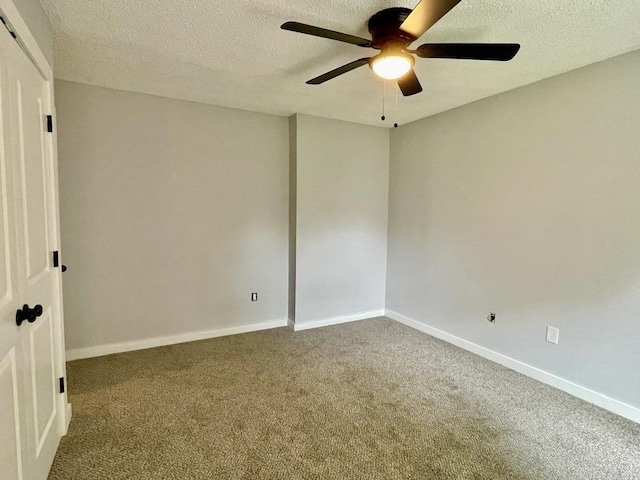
(395, 125)
(384, 93)
(396, 89)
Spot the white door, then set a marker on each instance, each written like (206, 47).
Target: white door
(12, 376)
(27, 207)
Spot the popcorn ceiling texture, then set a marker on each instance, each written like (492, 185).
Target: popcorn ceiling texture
(234, 54)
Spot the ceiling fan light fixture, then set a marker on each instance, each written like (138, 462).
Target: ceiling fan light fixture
(392, 31)
(392, 65)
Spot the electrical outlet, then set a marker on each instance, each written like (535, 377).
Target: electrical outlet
(553, 334)
(254, 297)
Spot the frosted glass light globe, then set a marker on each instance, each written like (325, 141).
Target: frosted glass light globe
(392, 66)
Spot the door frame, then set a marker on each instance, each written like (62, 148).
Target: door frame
(29, 45)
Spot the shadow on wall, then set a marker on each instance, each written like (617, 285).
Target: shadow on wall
(170, 217)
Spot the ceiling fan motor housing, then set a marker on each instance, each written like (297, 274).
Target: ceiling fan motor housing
(384, 27)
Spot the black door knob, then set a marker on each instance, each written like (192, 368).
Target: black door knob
(28, 314)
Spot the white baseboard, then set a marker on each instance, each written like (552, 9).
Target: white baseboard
(324, 322)
(100, 350)
(608, 403)
(291, 324)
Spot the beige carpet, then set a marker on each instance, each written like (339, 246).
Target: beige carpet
(366, 400)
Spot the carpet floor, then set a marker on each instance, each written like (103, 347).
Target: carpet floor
(366, 400)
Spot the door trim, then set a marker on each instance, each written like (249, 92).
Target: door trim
(26, 39)
(29, 45)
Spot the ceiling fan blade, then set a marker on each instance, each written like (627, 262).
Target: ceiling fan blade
(469, 51)
(425, 15)
(338, 71)
(324, 33)
(409, 84)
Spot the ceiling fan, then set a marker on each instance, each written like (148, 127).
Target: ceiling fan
(392, 31)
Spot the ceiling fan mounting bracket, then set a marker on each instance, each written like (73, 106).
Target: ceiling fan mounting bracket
(384, 27)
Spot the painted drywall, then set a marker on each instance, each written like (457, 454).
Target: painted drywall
(342, 182)
(172, 214)
(36, 19)
(527, 204)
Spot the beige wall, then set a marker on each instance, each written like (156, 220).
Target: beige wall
(342, 181)
(172, 214)
(527, 204)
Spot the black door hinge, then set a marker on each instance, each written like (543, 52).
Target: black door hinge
(50, 123)
(56, 261)
(61, 384)
(7, 27)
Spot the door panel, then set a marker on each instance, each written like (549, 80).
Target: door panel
(29, 180)
(33, 177)
(42, 377)
(35, 277)
(13, 389)
(10, 454)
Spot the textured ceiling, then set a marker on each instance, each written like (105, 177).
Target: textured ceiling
(233, 53)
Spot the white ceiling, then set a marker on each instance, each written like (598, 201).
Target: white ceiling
(234, 54)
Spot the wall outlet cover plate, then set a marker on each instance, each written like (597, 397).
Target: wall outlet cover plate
(553, 334)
